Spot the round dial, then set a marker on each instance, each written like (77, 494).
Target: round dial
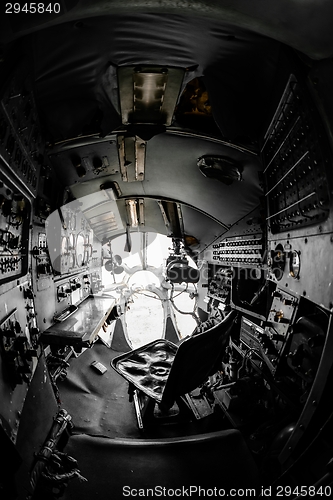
(80, 249)
(64, 245)
(294, 264)
(278, 261)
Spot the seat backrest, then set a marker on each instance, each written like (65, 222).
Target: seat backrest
(195, 359)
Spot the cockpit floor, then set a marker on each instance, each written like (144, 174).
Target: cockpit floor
(99, 404)
(118, 460)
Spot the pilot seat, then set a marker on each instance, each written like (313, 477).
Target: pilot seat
(164, 373)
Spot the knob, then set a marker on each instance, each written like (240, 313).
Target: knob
(278, 315)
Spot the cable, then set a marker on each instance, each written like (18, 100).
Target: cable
(150, 296)
(192, 313)
(246, 355)
(182, 291)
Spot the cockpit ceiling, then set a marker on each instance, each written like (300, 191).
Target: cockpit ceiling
(171, 172)
(73, 64)
(305, 26)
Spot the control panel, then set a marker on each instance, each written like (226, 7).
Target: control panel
(270, 338)
(19, 334)
(296, 159)
(21, 146)
(282, 310)
(265, 342)
(70, 239)
(240, 251)
(96, 282)
(41, 255)
(219, 287)
(253, 338)
(14, 231)
(74, 289)
(71, 166)
(292, 260)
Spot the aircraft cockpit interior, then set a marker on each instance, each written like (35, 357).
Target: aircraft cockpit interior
(166, 232)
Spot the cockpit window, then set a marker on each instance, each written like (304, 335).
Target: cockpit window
(149, 252)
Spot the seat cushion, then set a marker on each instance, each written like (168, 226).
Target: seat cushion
(147, 367)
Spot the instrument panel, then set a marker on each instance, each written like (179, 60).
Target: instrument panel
(15, 212)
(21, 145)
(296, 158)
(271, 337)
(70, 240)
(240, 251)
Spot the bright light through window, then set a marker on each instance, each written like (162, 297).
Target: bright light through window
(158, 249)
(143, 279)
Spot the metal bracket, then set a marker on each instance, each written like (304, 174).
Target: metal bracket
(132, 156)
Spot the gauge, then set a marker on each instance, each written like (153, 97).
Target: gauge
(80, 249)
(71, 221)
(278, 261)
(109, 265)
(71, 261)
(294, 264)
(70, 218)
(71, 240)
(87, 250)
(64, 246)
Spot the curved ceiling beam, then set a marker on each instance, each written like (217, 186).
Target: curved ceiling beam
(304, 25)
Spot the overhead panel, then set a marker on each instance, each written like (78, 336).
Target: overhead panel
(149, 94)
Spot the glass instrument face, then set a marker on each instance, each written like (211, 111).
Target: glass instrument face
(294, 264)
(64, 246)
(80, 249)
